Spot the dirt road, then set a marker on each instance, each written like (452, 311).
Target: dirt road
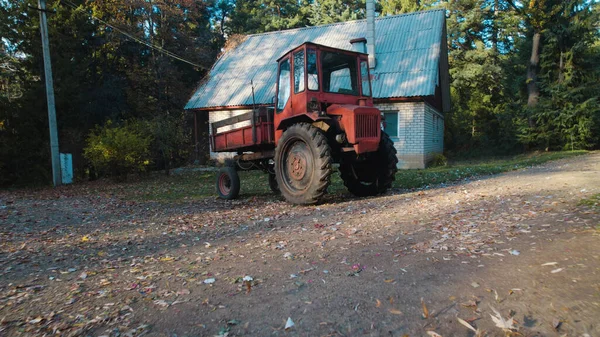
(80, 261)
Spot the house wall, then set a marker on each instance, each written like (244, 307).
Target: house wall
(420, 132)
(215, 116)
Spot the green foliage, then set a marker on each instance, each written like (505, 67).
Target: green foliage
(593, 201)
(118, 150)
(171, 143)
(568, 111)
(439, 160)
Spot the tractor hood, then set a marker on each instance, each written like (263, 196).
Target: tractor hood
(362, 125)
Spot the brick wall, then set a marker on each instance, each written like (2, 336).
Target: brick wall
(420, 133)
(434, 133)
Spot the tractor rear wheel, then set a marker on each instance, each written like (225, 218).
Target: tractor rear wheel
(375, 174)
(228, 183)
(303, 164)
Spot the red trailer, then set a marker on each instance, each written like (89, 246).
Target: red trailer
(323, 114)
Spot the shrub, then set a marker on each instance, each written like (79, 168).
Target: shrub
(439, 160)
(170, 145)
(118, 150)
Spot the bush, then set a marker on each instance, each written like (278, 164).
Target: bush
(439, 160)
(118, 150)
(170, 145)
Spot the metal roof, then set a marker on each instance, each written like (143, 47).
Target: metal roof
(408, 50)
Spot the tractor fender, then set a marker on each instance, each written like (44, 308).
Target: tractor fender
(310, 118)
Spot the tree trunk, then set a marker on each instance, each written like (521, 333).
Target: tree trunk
(532, 87)
(561, 68)
(495, 28)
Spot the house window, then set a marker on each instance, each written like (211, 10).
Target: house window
(391, 123)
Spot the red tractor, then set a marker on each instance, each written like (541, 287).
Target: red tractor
(323, 114)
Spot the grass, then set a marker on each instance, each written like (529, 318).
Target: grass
(409, 179)
(199, 185)
(593, 201)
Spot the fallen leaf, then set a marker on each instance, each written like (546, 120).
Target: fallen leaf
(395, 311)
(289, 323)
(556, 323)
(378, 304)
(433, 334)
(161, 303)
(557, 270)
(550, 264)
(469, 326)
(425, 311)
(501, 322)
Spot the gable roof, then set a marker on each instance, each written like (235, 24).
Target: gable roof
(410, 48)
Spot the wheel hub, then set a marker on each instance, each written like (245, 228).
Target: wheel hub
(297, 166)
(224, 184)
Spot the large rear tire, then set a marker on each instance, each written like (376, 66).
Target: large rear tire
(303, 164)
(373, 175)
(228, 183)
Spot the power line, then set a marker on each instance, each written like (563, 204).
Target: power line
(157, 48)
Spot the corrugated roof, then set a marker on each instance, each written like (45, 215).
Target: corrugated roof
(408, 49)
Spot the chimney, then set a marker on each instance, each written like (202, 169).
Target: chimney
(359, 45)
(371, 33)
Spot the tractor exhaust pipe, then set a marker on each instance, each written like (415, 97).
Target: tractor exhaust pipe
(371, 33)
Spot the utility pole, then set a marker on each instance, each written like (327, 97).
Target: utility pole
(56, 178)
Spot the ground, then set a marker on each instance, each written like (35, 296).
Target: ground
(82, 260)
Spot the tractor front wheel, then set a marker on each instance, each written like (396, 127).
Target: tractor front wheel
(273, 184)
(375, 174)
(228, 183)
(303, 164)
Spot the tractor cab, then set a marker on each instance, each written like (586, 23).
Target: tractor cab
(316, 83)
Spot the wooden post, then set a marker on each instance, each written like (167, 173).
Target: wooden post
(56, 178)
(196, 148)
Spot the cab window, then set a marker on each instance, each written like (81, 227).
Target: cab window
(312, 71)
(339, 73)
(364, 75)
(299, 71)
(283, 84)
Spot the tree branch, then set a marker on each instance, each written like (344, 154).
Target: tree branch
(512, 4)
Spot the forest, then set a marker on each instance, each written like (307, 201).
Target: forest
(525, 75)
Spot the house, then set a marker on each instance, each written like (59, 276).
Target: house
(410, 79)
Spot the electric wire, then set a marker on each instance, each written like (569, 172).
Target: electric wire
(157, 48)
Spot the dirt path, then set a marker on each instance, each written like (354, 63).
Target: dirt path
(80, 261)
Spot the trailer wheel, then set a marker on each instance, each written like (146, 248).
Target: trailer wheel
(273, 184)
(375, 174)
(228, 183)
(303, 164)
